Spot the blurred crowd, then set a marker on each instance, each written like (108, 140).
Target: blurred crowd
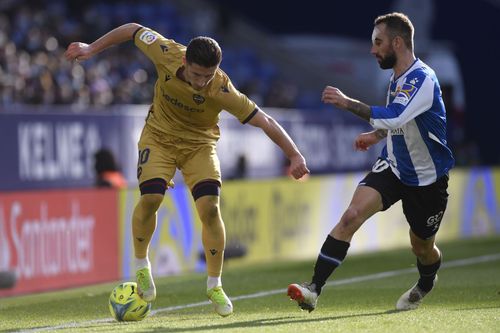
(34, 35)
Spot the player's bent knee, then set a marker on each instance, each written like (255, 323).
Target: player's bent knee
(349, 224)
(209, 212)
(206, 195)
(422, 251)
(351, 216)
(151, 201)
(206, 187)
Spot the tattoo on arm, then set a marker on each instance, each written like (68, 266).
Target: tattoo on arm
(359, 109)
(381, 133)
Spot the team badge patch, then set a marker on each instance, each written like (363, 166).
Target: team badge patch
(406, 92)
(395, 93)
(147, 37)
(198, 99)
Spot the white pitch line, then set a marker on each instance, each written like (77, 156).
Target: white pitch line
(370, 277)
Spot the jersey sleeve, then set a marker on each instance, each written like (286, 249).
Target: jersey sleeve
(160, 50)
(415, 97)
(236, 103)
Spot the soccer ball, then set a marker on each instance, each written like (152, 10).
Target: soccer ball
(126, 305)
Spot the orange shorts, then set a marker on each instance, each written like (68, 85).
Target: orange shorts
(161, 154)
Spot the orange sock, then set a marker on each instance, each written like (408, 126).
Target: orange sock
(214, 240)
(143, 228)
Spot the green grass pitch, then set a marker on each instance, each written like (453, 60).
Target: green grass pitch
(357, 299)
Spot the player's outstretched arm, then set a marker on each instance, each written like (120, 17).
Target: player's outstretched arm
(333, 95)
(82, 51)
(275, 132)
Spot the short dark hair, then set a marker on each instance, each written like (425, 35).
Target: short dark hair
(398, 24)
(204, 51)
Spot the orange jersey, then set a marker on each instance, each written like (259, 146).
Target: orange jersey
(178, 109)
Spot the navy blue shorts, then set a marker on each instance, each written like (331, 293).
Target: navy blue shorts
(423, 206)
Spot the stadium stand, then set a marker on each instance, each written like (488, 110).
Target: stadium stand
(33, 37)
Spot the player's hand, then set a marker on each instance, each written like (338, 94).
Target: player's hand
(365, 140)
(332, 95)
(298, 168)
(77, 52)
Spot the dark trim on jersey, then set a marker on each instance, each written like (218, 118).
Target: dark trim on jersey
(206, 187)
(153, 186)
(406, 71)
(135, 32)
(254, 112)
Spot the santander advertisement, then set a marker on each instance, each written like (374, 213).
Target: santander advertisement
(58, 239)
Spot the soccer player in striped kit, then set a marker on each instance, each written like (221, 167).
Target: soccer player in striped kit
(413, 166)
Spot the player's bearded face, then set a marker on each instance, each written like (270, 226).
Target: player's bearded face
(382, 47)
(388, 60)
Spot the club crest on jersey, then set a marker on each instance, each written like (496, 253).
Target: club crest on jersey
(395, 93)
(147, 37)
(405, 93)
(198, 99)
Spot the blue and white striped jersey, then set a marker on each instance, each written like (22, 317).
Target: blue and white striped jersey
(415, 120)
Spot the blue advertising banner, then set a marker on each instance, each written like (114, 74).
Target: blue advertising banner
(55, 149)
